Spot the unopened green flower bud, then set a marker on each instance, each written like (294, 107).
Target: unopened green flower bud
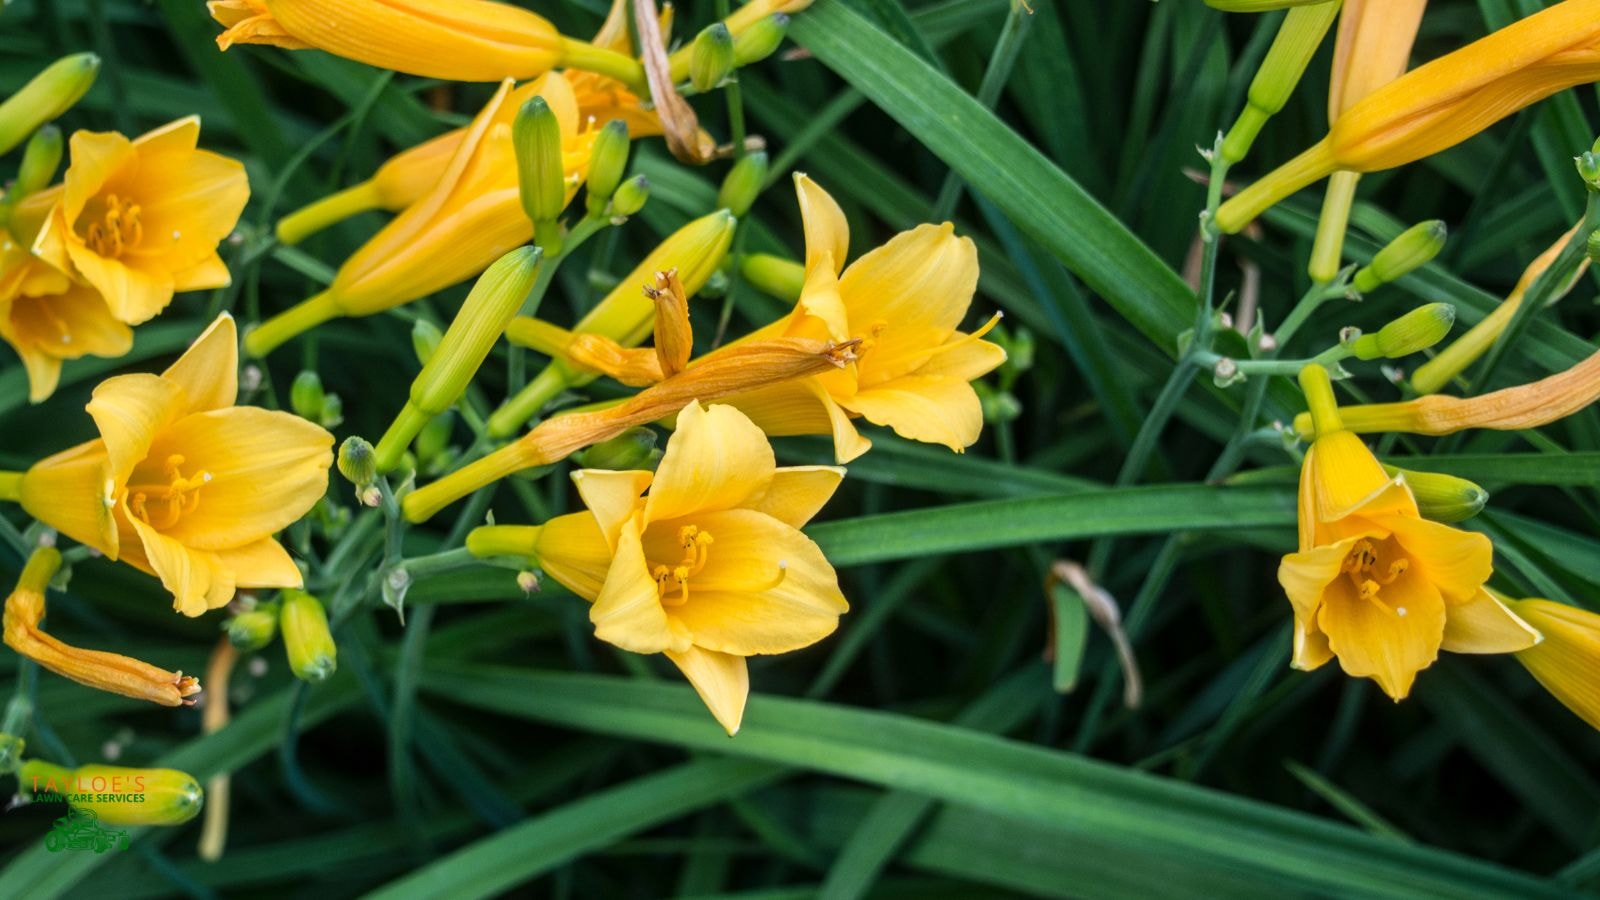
(254, 629)
(425, 338)
(1593, 245)
(711, 58)
(40, 160)
(116, 795)
(629, 198)
(1019, 346)
(998, 406)
(1286, 60)
(608, 162)
(434, 438)
(332, 411)
(773, 275)
(1589, 169)
(312, 653)
(632, 449)
(357, 461)
(1412, 250)
(1442, 498)
(50, 93)
(482, 319)
(1411, 333)
(1259, 6)
(306, 396)
(759, 40)
(743, 183)
(541, 177)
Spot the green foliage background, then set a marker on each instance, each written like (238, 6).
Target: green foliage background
(493, 746)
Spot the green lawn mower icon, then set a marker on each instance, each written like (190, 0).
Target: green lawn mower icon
(80, 829)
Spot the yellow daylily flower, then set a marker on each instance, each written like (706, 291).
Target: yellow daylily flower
(1374, 583)
(1567, 661)
(456, 40)
(47, 318)
(110, 672)
(1442, 103)
(139, 220)
(904, 301)
(702, 560)
(1509, 409)
(183, 484)
(469, 218)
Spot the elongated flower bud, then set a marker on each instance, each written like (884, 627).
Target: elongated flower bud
(608, 162)
(306, 396)
(1291, 51)
(50, 93)
(711, 59)
(1441, 497)
(1413, 249)
(312, 653)
(40, 160)
(117, 795)
(425, 338)
(630, 450)
(1567, 661)
(743, 184)
(254, 629)
(536, 135)
(760, 40)
(483, 316)
(630, 197)
(1411, 333)
(773, 275)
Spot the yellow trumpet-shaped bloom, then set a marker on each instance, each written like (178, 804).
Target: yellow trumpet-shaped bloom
(457, 40)
(47, 318)
(905, 302)
(183, 484)
(1567, 661)
(1374, 583)
(469, 218)
(1442, 103)
(138, 220)
(103, 671)
(708, 567)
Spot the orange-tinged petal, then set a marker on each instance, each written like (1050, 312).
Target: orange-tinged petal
(717, 459)
(73, 493)
(1311, 650)
(1345, 475)
(765, 587)
(1305, 576)
(1375, 640)
(613, 497)
(826, 231)
(802, 407)
(1485, 625)
(797, 493)
(628, 611)
(130, 410)
(261, 564)
(1457, 562)
(820, 300)
(721, 679)
(572, 550)
(208, 371)
(932, 409)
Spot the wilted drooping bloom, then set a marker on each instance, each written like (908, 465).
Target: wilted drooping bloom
(1442, 103)
(708, 567)
(183, 484)
(905, 302)
(1374, 583)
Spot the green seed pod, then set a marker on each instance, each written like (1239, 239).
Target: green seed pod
(50, 93)
(312, 653)
(608, 162)
(760, 40)
(541, 177)
(632, 449)
(357, 461)
(1411, 333)
(425, 338)
(306, 396)
(629, 198)
(116, 795)
(1412, 250)
(254, 629)
(711, 57)
(743, 183)
(482, 319)
(1442, 498)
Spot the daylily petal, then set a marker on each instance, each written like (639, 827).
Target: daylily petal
(1311, 650)
(130, 410)
(1375, 641)
(820, 300)
(718, 459)
(1457, 562)
(197, 579)
(765, 587)
(1306, 575)
(921, 279)
(1348, 478)
(96, 158)
(826, 230)
(44, 372)
(1567, 661)
(932, 409)
(613, 497)
(802, 407)
(72, 493)
(798, 492)
(134, 295)
(628, 611)
(261, 564)
(1485, 625)
(70, 324)
(264, 470)
(572, 550)
(971, 360)
(193, 201)
(208, 371)
(210, 272)
(721, 679)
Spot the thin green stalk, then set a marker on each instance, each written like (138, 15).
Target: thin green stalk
(1001, 61)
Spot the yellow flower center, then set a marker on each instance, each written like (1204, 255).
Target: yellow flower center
(117, 229)
(672, 582)
(174, 497)
(1370, 566)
